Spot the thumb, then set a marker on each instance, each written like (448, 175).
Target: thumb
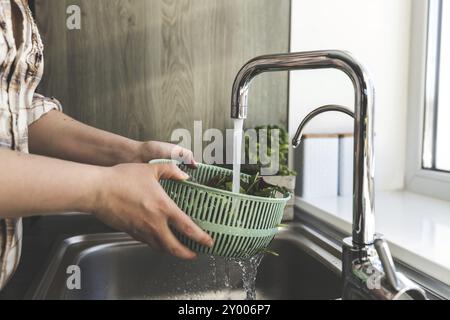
(170, 171)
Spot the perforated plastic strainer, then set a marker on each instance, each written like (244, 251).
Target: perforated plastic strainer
(241, 225)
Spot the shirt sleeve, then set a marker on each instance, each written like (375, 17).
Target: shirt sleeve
(40, 106)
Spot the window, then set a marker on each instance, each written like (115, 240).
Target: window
(436, 144)
(428, 145)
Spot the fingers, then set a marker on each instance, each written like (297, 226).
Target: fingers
(188, 158)
(148, 239)
(172, 245)
(177, 218)
(183, 155)
(185, 225)
(154, 244)
(170, 171)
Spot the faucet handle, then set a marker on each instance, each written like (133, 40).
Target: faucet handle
(393, 285)
(384, 253)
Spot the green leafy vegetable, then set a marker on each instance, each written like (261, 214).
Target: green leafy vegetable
(254, 186)
(268, 251)
(253, 155)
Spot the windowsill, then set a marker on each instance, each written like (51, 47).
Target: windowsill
(416, 227)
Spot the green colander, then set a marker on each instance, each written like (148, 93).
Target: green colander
(241, 225)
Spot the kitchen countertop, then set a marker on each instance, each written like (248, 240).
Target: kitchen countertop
(40, 236)
(416, 227)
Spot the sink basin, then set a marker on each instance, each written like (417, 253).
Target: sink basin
(113, 266)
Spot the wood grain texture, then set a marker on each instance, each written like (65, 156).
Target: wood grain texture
(142, 68)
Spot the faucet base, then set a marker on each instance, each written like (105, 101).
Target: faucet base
(365, 276)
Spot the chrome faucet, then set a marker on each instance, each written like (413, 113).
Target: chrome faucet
(368, 268)
(363, 216)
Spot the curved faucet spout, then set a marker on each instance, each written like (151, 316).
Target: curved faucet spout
(363, 176)
(328, 108)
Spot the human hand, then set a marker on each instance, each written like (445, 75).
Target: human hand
(132, 200)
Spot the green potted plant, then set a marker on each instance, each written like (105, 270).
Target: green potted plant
(284, 177)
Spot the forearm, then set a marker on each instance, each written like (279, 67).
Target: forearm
(31, 185)
(59, 136)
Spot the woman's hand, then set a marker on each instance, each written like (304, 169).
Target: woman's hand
(151, 150)
(132, 200)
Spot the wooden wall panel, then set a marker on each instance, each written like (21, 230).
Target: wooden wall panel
(143, 68)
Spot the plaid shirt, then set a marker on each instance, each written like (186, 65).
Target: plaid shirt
(20, 73)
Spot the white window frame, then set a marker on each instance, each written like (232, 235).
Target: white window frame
(417, 179)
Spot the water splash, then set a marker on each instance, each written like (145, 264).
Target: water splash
(214, 269)
(227, 277)
(249, 269)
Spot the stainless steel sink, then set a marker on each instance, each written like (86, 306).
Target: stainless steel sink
(113, 266)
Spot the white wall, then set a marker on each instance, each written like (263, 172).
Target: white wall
(377, 32)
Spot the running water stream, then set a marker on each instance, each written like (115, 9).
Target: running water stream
(249, 266)
(237, 151)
